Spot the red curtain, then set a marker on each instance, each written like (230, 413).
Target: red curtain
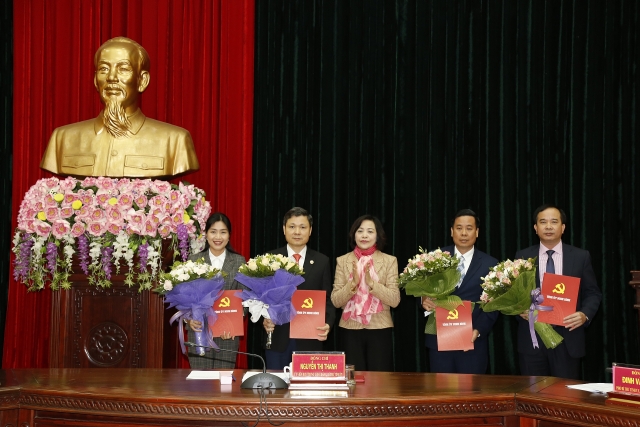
(201, 79)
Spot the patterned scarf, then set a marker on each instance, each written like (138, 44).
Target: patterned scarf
(362, 305)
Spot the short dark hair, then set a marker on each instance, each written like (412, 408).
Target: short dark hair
(297, 212)
(213, 218)
(544, 207)
(381, 236)
(466, 212)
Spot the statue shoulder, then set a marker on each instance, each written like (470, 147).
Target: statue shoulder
(73, 129)
(166, 128)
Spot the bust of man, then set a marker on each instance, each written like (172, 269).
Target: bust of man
(121, 141)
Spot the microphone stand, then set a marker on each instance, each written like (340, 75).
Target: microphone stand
(262, 380)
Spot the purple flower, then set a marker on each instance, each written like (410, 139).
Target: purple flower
(143, 254)
(52, 257)
(83, 247)
(21, 270)
(183, 241)
(106, 261)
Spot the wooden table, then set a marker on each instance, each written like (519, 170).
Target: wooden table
(156, 397)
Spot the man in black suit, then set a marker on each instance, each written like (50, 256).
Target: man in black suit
(554, 256)
(297, 225)
(474, 264)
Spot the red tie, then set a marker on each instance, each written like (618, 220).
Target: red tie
(297, 258)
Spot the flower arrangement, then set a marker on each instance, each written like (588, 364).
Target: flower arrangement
(267, 264)
(510, 288)
(426, 264)
(104, 222)
(184, 272)
(192, 288)
(270, 280)
(434, 275)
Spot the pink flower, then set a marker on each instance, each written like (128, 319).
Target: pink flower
(114, 228)
(96, 228)
(141, 186)
(84, 212)
(161, 187)
(52, 213)
(66, 212)
(114, 214)
(164, 230)
(78, 229)
(51, 183)
(150, 228)
(125, 200)
(141, 201)
(89, 182)
(103, 199)
(106, 183)
(49, 201)
(68, 184)
(86, 197)
(135, 221)
(60, 228)
(41, 228)
(98, 215)
(158, 201)
(420, 264)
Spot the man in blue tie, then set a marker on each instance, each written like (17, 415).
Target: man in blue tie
(554, 256)
(474, 264)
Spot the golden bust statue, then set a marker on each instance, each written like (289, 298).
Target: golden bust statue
(121, 141)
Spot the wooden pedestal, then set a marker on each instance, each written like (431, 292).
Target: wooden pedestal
(117, 327)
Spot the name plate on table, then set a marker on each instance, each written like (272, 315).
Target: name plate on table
(310, 310)
(318, 366)
(454, 328)
(229, 310)
(626, 386)
(561, 293)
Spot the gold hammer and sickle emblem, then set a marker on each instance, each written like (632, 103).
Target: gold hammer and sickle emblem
(453, 315)
(224, 302)
(308, 303)
(559, 289)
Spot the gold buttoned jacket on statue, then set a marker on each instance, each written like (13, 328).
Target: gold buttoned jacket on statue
(152, 149)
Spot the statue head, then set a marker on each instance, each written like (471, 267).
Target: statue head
(121, 75)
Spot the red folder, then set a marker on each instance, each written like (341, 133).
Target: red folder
(310, 310)
(454, 328)
(561, 293)
(229, 310)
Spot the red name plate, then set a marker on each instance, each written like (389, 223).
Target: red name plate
(229, 310)
(327, 366)
(626, 379)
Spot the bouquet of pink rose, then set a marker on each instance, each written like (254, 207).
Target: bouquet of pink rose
(105, 222)
(510, 288)
(434, 275)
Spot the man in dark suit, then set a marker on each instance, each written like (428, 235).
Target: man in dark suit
(554, 256)
(474, 265)
(297, 225)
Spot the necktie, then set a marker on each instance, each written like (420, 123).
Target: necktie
(297, 258)
(461, 270)
(551, 267)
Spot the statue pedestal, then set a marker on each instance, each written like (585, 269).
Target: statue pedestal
(116, 327)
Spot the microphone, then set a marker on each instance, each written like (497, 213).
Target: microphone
(264, 380)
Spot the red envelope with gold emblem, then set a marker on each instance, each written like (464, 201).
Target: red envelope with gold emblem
(310, 309)
(454, 328)
(229, 310)
(561, 293)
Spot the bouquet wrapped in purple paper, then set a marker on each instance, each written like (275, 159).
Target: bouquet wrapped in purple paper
(192, 288)
(270, 280)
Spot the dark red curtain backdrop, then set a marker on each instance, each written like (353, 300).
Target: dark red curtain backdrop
(201, 79)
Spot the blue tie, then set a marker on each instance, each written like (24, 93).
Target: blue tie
(551, 267)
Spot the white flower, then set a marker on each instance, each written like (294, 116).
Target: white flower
(290, 265)
(274, 266)
(168, 285)
(252, 265)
